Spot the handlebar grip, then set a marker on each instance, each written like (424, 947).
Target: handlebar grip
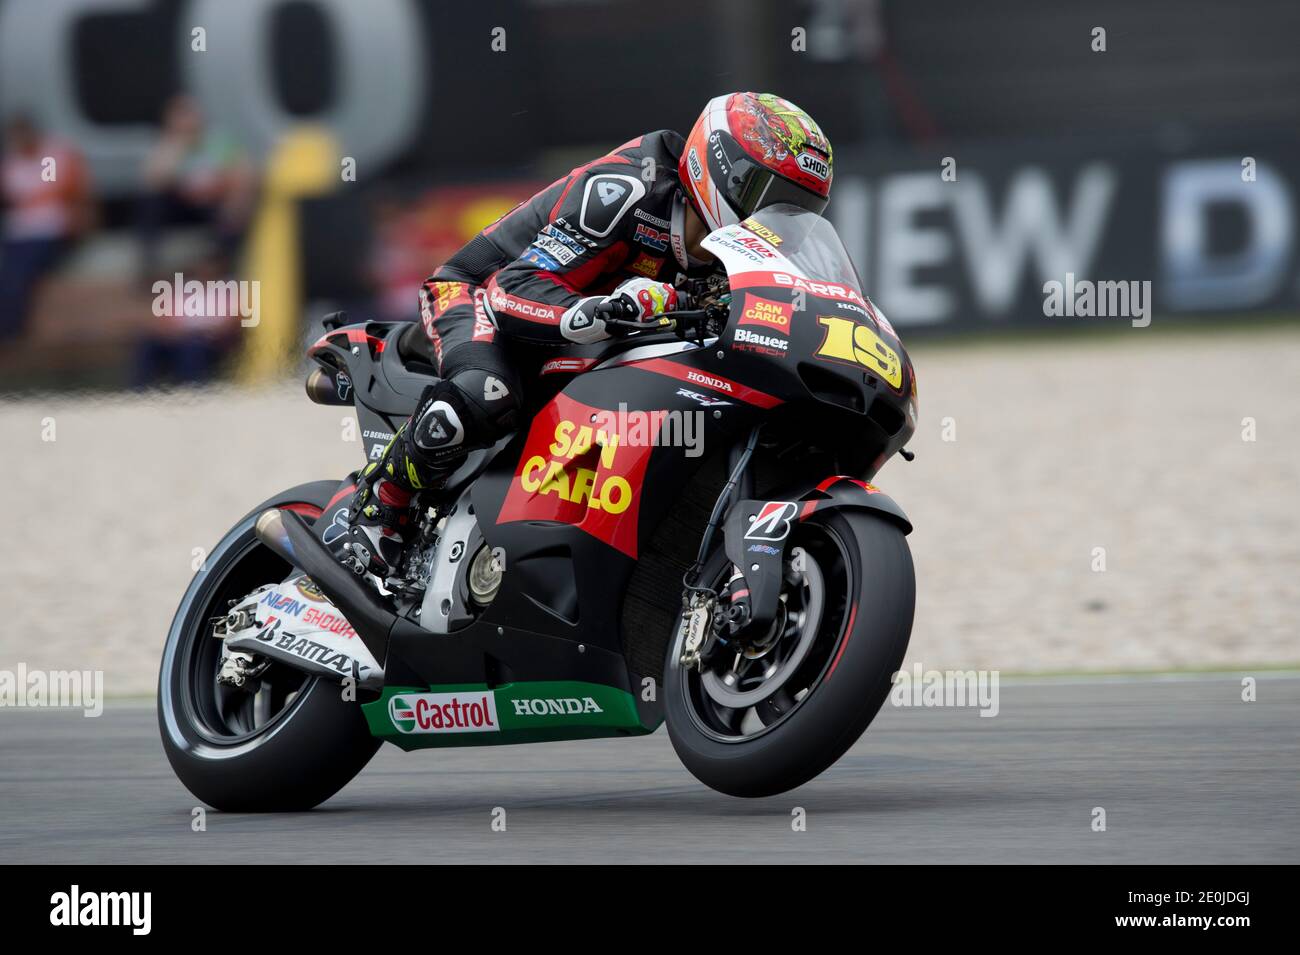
(621, 307)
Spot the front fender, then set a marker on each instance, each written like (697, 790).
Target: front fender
(840, 492)
(758, 535)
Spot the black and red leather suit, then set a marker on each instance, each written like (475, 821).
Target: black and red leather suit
(606, 221)
(544, 273)
(532, 276)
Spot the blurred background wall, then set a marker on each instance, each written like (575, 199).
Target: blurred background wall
(169, 118)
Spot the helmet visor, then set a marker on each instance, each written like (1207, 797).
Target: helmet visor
(751, 187)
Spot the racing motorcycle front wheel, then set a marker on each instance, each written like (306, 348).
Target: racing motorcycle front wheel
(764, 718)
(284, 741)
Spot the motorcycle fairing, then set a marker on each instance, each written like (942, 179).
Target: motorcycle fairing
(565, 557)
(559, 612)
(383, 386)
(584, 466)
(814, 339)
(843, 491)
(530, 711)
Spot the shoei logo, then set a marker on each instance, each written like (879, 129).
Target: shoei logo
(444, 713)
(583, 466)
(693, 164)
(815, 165)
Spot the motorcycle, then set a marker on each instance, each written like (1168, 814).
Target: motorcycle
(684, 532)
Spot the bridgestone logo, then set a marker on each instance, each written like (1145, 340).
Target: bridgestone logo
(570, 706)
(653, 220)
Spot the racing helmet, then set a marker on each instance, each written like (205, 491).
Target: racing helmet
(750, 150)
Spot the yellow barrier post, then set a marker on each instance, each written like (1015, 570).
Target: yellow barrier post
(303, 164)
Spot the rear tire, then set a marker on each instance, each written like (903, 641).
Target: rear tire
(308, 742)
(866, 621)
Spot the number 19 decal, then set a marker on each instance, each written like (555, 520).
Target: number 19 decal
(858, 344)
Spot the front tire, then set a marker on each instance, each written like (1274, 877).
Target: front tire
(737, 739)
(288, 747)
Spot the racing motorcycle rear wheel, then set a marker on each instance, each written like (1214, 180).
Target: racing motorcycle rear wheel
(287, 741)
(765, 718)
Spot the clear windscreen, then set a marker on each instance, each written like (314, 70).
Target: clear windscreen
(810, 243)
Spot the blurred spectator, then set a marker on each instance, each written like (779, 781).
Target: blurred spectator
(413, 234)
(195, 175)
(46, 197)
(188, 347)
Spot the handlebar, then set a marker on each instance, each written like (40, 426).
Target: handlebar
(684, 323)
(617, 309)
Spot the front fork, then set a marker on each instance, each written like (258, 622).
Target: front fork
(756, 536)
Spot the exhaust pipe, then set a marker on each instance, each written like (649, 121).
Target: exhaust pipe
(325, 389)
(286, 534)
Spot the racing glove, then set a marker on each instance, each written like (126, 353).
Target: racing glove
(636, 299)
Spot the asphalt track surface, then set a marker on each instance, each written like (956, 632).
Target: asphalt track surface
(1185, 771)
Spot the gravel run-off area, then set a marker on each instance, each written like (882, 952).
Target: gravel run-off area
(1036, 462)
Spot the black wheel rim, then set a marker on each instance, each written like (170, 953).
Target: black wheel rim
(222, 716)
(738, 698)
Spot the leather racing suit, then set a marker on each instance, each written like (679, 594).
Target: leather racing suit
(530, 276)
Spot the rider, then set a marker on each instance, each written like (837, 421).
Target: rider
(619, 227)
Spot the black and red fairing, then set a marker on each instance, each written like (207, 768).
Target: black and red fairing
(362, 365)
(800, 334)
(334, 347)
(575, 514)
(803, 351)
(577, 469)
(801, 325)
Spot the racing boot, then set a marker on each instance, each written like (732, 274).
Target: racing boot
(420, 457)
(381, 510)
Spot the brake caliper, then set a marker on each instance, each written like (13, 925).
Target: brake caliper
(237, 667)
(697, 625)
